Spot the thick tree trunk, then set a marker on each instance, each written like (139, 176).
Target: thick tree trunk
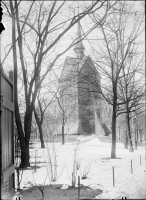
(27, 128)
(25, 158)
(24, 141)
(41, 137)
(24, 153)
(24, 149)
(27, 123)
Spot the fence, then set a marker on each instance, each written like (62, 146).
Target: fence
(7, 136)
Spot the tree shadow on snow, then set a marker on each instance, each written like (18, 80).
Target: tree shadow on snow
(109, 158)
(55, 192)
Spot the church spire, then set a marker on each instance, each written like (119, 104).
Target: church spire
(79, 47)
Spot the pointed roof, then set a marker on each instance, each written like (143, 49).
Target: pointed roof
(69, 65)
(79, 47)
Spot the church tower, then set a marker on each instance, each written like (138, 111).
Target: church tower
(78, 101)
(79, 47)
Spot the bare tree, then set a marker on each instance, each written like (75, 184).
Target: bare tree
(38, 29)
(52, 120)
(138, 119)
(115, 50)
(131, 92)
(39, 113)
(67, 105)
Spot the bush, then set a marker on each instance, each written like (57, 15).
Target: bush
(85, 168)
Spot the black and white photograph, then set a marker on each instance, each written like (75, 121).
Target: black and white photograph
(72, 100)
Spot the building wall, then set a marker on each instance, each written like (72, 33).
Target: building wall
(69, 96)
(76, 93)
(86, 97)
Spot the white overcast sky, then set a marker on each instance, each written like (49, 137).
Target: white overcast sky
(85, 23)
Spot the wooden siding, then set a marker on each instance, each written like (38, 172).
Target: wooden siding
(8, 166)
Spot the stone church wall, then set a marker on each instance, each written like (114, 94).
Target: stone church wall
(79, 100)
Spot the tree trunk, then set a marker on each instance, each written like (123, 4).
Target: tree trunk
(140, 135)
(27, 123)
(42, 196)
(24, 150)
(129, 134)
(39, 124)
(41, 137)
(135, 138)
(119, 135)
(125, 140)
(135, 145)
(63, 130)
(113, 150)
(25, 158)
(27, 129)
(63, 134)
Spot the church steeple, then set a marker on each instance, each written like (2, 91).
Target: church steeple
(79, 47)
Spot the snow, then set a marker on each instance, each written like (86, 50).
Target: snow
(100, 178)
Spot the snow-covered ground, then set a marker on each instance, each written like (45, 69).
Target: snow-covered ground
(99, 181)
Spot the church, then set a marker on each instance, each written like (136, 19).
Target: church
(79, 82)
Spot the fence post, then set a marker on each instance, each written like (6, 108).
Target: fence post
(113, 177)
(78, 187)
(131, 167)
